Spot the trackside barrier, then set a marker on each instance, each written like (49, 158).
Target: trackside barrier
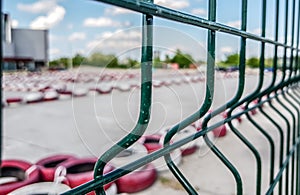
(287, 89)
(286, 93)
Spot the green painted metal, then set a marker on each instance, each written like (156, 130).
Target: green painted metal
(286, 93)
(1, 94)
(145, 105)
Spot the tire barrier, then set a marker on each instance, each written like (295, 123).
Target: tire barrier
(225, 115)
(153, 143)
(123, 87)
(41, 188)
(46, 83)
(14, 100)
(81, 170)
(16, 174)
(220, 131)
(139, 179)
(79, 92)
(34, 97)
(50, 95)
(49, 165)
(157, 83)
(187, 149)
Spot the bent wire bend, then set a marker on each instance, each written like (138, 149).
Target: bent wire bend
(233, 101)
(148, 8)
(145, 104)
(203, 109)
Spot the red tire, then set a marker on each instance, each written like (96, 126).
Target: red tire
(79, 92)
(34, 97)
(138, 180)
(189, 150)
(41, 188)
(49, 164)
(151, 142)
(65, 92)
(14, 100)
(80, 171)
(186, 149)
(104, 89)
(252, 111)
(225, 115)
(50, 96)
(220, 131)
(24, 172)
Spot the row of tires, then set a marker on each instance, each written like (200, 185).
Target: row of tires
(65, 76)
(56, 92)
(58, 173)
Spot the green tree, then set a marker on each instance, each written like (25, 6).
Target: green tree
(252, 62)
(103, 60)
(184, 60)
(78, 60)
(269, 62)
(232, 59)
(61, 63)
(167, 58)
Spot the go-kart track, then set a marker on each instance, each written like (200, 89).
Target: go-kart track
(82, 112)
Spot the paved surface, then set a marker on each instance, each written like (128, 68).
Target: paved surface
(89, 125)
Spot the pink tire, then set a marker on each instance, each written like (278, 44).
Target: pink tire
(138, 180)
(225, 115)
(80, 171)
(50, 96)
(34, 97)
(13, 100)
(220, 131)
(186, 149)
(23, 172)
(49, 165)
(41, 188)
(151, 142)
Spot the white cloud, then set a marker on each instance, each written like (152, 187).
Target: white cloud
(54, 51)
(53, 17)
(76, 36)
(178, 4)
(53, 37)
(100, 22)
(117, 11)
(256, 31)
(226, 50)
(14, 23)
(235, 24)
(116, 42)
(70, 26)
(199, 11)
(42, 6)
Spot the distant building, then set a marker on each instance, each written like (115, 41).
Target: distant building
(23, 49)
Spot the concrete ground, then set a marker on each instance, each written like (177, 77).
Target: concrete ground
(87, 126)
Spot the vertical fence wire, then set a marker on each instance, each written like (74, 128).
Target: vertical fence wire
(1, 93)
(145, 103)
(285, 93)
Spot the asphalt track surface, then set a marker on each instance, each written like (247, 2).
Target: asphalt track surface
(87, 126)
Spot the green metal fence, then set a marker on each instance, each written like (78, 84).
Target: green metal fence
(285, 93)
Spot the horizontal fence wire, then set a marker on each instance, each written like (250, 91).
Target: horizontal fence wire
(280, 96)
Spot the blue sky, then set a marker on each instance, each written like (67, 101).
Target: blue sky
(85, 26)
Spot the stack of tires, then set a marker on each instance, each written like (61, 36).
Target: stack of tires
(56, 174)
